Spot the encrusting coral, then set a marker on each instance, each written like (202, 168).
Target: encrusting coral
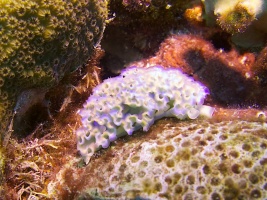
(136, 99)
(189, 159)
(42, 40)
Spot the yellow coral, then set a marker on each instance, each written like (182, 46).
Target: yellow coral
(42, 40)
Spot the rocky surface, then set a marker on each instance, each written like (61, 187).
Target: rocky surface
(203, 159)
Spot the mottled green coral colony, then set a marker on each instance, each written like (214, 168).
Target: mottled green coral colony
(41, 40)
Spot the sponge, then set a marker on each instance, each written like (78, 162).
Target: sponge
(134, 100)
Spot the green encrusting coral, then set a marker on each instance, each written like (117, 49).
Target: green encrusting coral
(41, 40)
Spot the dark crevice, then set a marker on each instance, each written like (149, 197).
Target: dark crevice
(221, 41)
(36, 116)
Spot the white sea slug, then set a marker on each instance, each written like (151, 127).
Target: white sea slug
(134, 100)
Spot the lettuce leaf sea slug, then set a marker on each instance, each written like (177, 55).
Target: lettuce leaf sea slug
(134, 100)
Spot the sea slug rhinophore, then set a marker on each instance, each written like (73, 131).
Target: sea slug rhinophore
(135, 99)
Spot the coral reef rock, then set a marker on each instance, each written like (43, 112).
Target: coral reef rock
(42, 40)
(137, 27)
(193, 159)
(228, 74)
(135, 99)
(31, 161)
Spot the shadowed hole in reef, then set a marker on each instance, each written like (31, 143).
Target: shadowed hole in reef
(35, 117)
(221, 41)
(42, 106)
(227, 86)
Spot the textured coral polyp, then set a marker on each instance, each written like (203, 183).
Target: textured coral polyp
(234, 16)
(42, 40)
(192, 159)
(236, 20)
(244, 19)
